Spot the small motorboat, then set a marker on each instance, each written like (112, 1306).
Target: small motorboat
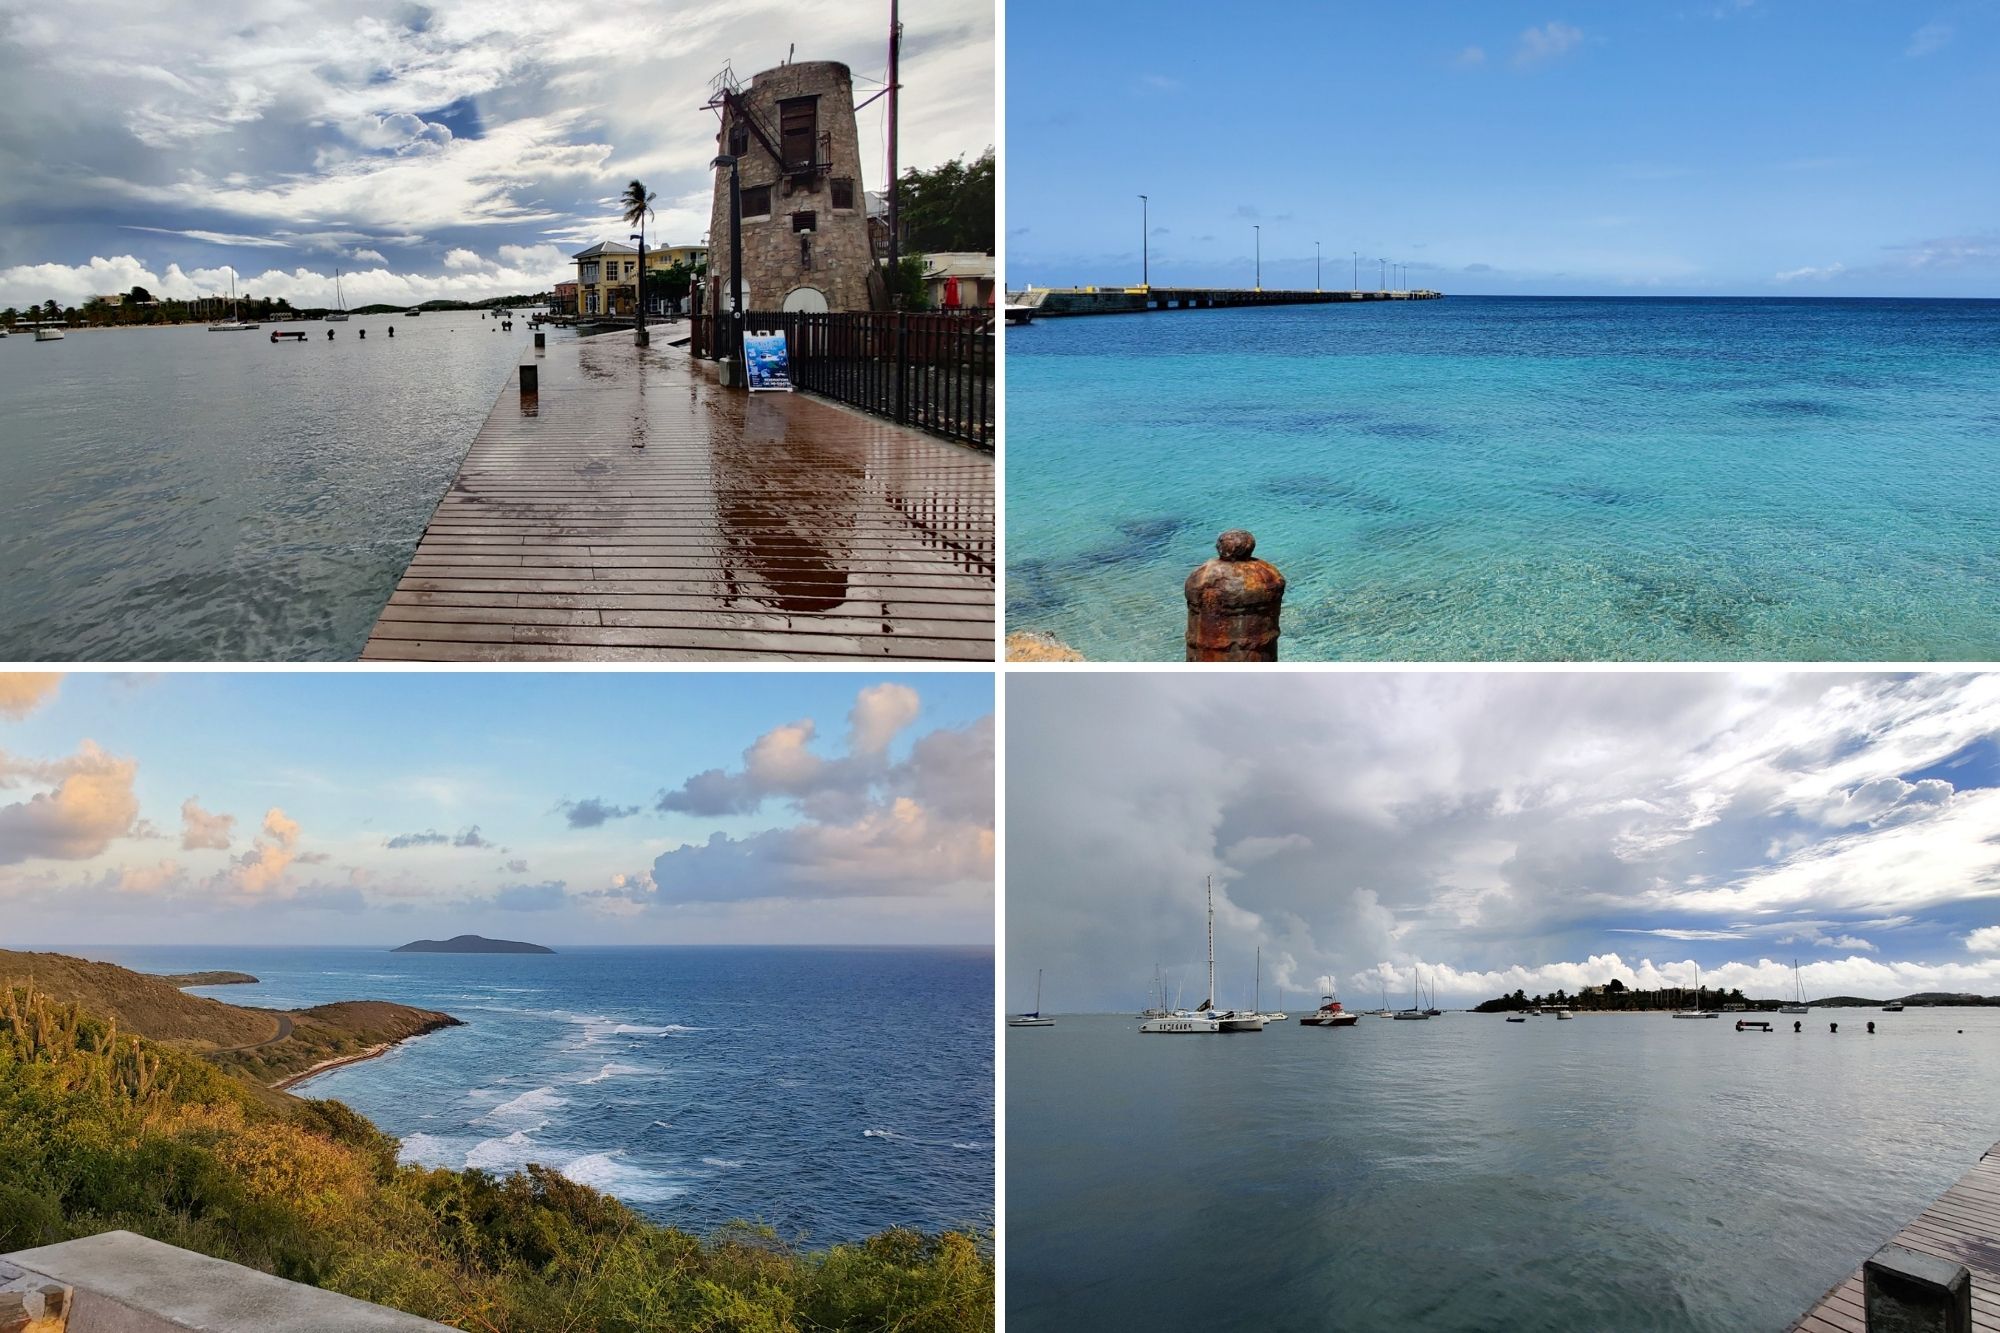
(1329, 1015)
(1564, 1015)
(412, 313)
(1517, 1018)
(1893, 1007)
(48, 335)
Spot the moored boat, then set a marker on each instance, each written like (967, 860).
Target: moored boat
(48, 335)
(1329, 1015)
(1797, 1006)
(1203, 1019)
(1033, 1018)
(339, 314)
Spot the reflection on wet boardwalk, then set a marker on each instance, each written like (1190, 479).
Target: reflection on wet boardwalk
(620, 515)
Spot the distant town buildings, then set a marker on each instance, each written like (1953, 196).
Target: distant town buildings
(806, 243)
(955, 280)
(563, 298)
(607, 275)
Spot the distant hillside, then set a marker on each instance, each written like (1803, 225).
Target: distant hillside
(262, 1044)
(470, 944)
(209, 979)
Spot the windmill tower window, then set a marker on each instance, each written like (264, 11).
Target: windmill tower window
(798, 132)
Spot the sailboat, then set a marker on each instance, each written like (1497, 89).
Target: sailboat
(1797, 1006)
(1433, 1011)
(1415, 1012)
(1203, 1019)
(1156, 1008)
(1033, 1019)
(1697, 1011)
(339, 315)
(1277, 1015)
(234, 324)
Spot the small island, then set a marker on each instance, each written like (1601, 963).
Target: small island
(470, 944)
(209, 979)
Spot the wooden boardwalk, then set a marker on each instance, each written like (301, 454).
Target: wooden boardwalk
(631, 509)
(1963, 1227)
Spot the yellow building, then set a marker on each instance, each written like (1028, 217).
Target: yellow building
(607, 275)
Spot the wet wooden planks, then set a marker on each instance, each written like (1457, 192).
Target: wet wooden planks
(1962, 1226)
(631, 510)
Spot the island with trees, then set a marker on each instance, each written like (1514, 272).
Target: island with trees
(1614, 996)
(471, 944)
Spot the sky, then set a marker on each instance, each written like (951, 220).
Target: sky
(1704, 147)
(449, 148)
(1500, 830)
(305, 807)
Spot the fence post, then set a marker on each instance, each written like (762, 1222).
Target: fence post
(902, 368)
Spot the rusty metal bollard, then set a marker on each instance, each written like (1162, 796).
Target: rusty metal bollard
(1233, 603)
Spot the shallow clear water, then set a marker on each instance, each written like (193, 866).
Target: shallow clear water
(1615, 1172)
(829, 1092)
(175, 494)
(1510, 478)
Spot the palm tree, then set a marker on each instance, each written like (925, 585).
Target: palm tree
(638, 201)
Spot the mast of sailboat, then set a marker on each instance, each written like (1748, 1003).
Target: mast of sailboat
(1038, 992)
(1209, 1003)
(1257, 1002)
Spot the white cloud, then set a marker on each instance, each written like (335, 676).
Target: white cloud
(1984, 940)
(1809, 273)
(200, 829)
(1929, 39)
(88, 803)
(534, 269)
(22, 692)
(1551, 41)
(1469, 57)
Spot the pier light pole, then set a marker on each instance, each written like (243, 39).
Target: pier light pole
(639, 306)
(1260, 255)
(1315, 266)
(1357, 270)
(732, 367)
(1145, 240)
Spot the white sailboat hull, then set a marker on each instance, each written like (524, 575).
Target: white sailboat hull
(336, 316)
(1029, 1021)
(1707, 1014)
(1793, 1009)
(1411, 1016)
(1242, 1023)
(1179, 1023)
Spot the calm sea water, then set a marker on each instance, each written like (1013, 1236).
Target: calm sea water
(1505, 478)
(829, 1092)
(1616, 1172)
(176, 494)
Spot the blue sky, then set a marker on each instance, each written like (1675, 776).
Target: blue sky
(1498, 830)
(361, 808)
(430, 148)
(1780, 147)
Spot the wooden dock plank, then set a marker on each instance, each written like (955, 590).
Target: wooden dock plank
(1961, 1226)
(631, 510)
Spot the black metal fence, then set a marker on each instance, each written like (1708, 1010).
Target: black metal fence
(932, 371)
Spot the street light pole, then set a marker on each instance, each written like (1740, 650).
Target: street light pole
(1260, 255)
(1145, 240)
(1315, 266)
(1357, 270)
(639, 307)
(732, 367)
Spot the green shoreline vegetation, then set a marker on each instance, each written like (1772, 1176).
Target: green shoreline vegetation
(138, 309)
(1615, 997)
(103, 1129)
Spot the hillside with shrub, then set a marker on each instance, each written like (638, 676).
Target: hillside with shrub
(101, 1128)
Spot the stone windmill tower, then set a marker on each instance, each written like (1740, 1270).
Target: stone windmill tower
(805, 214)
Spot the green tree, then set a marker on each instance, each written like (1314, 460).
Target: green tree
(138, 295)
(950, 207)
(908, 289)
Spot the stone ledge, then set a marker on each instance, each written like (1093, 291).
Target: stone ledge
(125, 1283)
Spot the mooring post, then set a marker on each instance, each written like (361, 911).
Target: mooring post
(541, 340)
(530, 376)
(1905, 1291)
(1233, 603)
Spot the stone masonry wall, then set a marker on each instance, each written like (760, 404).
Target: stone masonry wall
(841, 258)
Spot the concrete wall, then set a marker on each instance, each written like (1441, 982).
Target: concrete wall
(838, 260)
(123, 1283)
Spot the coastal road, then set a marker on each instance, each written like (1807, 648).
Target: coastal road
(284, 1031)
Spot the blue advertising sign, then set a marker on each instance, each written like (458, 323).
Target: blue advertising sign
(766, 364)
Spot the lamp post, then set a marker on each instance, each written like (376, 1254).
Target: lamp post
(1145, 242)
(1357, 270)
(732, 367)
(1315, 266)
(1260, 255)
(639, 307)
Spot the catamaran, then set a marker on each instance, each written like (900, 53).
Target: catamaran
(1204, 1019)
(338, 315)
(1033, 1019)
(234, 324)
(1797, 1006)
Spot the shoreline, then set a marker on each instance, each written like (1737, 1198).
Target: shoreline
(290, 1081)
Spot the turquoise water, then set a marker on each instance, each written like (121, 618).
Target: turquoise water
(1467, 1175)
(1520, 479)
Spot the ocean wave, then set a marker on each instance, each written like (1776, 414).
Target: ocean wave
(612, 1071)
(428, 1150)
(599, 1028)
(880, 1134)
(722, 1162)
(508, 1154)
(973, 1147)
(610, 1172)
(536, 1105)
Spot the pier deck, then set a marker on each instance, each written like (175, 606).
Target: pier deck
(1134, 300)
(1962, 1227)
(632, 509)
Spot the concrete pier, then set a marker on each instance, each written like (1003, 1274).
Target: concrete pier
(1890, 1293)
(628, 508)
(1048, 301)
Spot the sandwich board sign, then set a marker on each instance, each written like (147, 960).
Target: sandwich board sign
(766, 364)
